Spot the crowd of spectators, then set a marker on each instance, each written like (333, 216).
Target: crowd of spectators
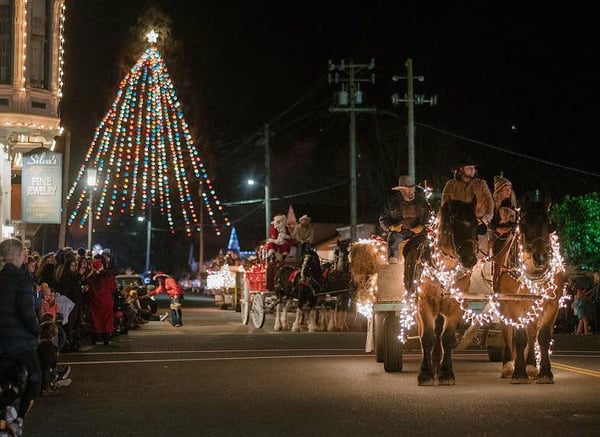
(66, 298)
(582, 314)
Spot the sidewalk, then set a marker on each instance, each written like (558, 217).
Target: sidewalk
(572, 342)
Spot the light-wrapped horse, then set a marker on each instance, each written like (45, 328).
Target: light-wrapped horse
(445, 276)
(529, 295)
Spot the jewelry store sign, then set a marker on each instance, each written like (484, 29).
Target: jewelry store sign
(41, 187)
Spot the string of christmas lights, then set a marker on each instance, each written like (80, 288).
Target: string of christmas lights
(541, 287)
(145, 156)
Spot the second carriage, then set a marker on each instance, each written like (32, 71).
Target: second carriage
(264, 285)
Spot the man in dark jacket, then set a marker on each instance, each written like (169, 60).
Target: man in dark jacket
(19, 326)
(404, 217)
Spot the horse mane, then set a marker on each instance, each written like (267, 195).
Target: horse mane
(536, 196)
(312, 260)
(450, 211)
(536, 201)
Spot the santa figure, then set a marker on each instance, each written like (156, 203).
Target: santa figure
(280, 240)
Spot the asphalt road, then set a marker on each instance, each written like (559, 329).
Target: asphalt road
(217, 377)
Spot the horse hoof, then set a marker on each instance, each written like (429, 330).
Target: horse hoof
(532, 371)
(426, 382)
(446, 382)
(544, 380)
(520, 381)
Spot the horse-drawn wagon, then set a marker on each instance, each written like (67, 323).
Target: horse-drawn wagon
(393, 311)
(304, 283)
(518, 290)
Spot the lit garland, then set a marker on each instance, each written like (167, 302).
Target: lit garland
(24, 43)
(542, 288)
(375, 250)
(219, 279)
(61, 50)
(142, 142)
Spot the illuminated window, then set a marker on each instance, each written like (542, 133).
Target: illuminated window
(6, 40)
(38, 49)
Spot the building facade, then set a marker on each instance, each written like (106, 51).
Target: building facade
(31, 72)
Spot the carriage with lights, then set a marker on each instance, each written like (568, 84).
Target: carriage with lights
(271, 285)
(517, 289)
(383, 298)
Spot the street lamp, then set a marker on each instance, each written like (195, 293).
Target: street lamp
(148, 236)
(267, 205)
(91, 183)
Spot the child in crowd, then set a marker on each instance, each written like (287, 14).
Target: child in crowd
(48, 304)
(142, 315)
(47, 351)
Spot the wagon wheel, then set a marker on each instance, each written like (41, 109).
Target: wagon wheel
(392, 356)
(378, 334)
(257, 311)
(245, 302)
(495, 354)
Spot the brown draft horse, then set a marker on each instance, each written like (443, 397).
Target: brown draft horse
(453, 255)
(532, 293)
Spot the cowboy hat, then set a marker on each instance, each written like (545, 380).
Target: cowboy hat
(160, 275)
(465, 161)
(404, 181)
(304, 217)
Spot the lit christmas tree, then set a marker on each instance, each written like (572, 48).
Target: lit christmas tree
(234, 242)
(145, 156)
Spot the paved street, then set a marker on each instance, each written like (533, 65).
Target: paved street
(217, 377)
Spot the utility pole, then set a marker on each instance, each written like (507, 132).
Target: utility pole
(267, 183)
(347, 100)
(62, 232)
(148, 234)
(410, 99)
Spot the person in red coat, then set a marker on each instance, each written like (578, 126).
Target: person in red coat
(280, 240)
(169, 285)
(102, 284)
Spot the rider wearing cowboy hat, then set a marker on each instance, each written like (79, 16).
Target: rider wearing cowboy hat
(403, 217)
(464, 186)
(303, 234)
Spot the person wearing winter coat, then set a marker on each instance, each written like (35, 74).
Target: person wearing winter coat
(467, 186)
(102, 283)
(19, 326)
(404, 217)
(167, 284)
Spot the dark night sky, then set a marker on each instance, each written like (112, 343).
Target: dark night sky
(493, 65)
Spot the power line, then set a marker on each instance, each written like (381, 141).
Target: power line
(289, 196)
(493, 147)
(520, 155)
